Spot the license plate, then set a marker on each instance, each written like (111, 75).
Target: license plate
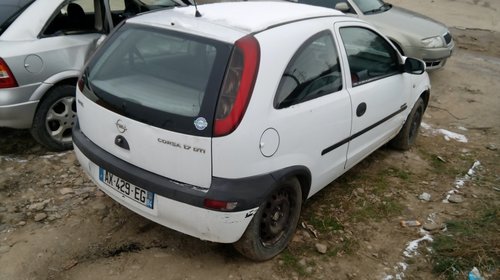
(127, 189)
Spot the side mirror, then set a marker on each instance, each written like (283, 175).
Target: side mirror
(343, 7)
(414, 66)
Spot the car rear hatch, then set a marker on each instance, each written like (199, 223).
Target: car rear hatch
(149, 98)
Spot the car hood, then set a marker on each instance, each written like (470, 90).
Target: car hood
(398, 20)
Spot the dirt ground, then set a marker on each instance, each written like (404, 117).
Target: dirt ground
(55, 224)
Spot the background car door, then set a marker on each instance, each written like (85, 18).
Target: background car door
(377, 89)
(67, 39)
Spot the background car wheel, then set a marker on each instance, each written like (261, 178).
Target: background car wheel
(408, 134)
(55, 118)
(274, 224)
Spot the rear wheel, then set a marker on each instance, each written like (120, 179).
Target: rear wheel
(55, 118)
(408, 134)
(274, 224)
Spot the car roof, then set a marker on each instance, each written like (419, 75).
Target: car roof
(228, 21)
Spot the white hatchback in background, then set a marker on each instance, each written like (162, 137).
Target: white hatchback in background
(220, 126)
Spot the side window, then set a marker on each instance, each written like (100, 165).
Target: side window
(76, 17)
(370, 56)
(313, 71)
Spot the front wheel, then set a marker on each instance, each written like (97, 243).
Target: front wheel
(408, 134)
(55, 118)
(274, 224)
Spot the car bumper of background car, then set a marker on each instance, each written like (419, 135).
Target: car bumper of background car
(16, 108)
(175, 205)
(18, 115)
(434, 58)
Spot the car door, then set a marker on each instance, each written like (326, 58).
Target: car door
(312, 97)
(377, 88)
(66, 40)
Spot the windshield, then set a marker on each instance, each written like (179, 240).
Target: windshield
(162, 78)
(372, 6)
(10, 11)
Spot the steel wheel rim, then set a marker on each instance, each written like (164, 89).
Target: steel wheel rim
(276, 217)
(415, 124)
(60, 119)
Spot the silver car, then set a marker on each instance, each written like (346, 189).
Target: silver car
(43, 46)
(415, 35)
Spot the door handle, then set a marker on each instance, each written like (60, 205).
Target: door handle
(361, 110)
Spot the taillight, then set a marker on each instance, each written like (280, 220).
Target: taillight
(219, 205)
(237, 86)
(7, 80)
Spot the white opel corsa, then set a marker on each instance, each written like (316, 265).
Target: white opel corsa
(220, 124)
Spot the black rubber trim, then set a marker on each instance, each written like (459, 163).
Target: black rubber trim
(336, 145)
(249, 192)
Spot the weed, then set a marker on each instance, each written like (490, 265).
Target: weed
(377, 210)
(468, 243)
(347, 246)
(291, 263)
(325, 224)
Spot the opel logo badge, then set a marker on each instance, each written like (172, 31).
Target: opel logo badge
(121, 126)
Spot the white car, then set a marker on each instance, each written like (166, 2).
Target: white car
(220, 126)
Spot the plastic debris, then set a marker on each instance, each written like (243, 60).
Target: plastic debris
(474, 274)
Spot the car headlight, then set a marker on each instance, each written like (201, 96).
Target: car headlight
(433, 42)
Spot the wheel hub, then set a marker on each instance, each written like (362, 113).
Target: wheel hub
(60, 119)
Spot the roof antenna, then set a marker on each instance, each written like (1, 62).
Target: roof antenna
(197, 13)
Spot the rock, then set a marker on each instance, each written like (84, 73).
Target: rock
(21, 223)
(85, 190)
(40, 217)
(456, 198)
(303, 262)
(321, 248)
(99, 193)
(425, 197)
(78, 181)
(3, 209)
(4, 249)
(37, 206)
(491, 147)
(44, 182)
(309, 270)
(433, 226)
(65, 191)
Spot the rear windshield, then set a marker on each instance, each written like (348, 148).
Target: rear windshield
(163, 78)
(10, 10)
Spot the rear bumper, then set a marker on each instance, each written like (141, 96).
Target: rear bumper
(16, 107)
(180, 206)
(18, 115)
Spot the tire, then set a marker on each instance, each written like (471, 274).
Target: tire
(55, 118)
(408, 134)
(274, 224)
